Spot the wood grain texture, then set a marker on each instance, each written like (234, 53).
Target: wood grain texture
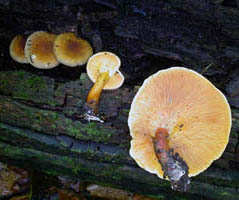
(41, 127)
(41, 112)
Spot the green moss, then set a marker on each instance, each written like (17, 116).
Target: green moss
(160, 197)
(234, 133)
(53, 126)
(125, 111)
(90, 131)
(26, 86)
(224, 194)
(97, 133)
(75, 165)
(54, 116)
(32, 83)
(76, 169)
(83, 76)
(70, 128)
(3, 84)
(36, 81)
(20, 74)
(9, 151)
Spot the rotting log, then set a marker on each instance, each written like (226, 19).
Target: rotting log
(142, 33)
(41, 122)
(42, 128)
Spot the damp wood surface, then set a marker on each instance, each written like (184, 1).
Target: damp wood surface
(42, 128)
(41, 111)
(147, 36)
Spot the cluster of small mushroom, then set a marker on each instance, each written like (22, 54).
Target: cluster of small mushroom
(46, 50)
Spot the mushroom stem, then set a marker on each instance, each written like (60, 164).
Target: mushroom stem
(93, 96)
(173, 166)
(161, 144)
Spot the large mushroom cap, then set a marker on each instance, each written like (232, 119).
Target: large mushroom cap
(194, 112)
(39, 50)
(17, 49)
(72, 51)
(105, 61)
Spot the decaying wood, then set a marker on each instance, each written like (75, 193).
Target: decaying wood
(42, 127)
(41, 112)
(147, 36)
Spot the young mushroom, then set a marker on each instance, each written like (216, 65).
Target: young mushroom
(16, 49)
(103, 70)
(39, 50)
(72, 51)
(179, 123)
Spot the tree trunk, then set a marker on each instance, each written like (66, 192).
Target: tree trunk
(42, 122)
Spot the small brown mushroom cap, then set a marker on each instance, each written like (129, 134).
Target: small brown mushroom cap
(16, 49)
(39, 50)
(72, 51)
(105, 61)
(195, 113)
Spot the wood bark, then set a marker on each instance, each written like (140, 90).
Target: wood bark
(42, 127)
(41, 112)
(148, 36)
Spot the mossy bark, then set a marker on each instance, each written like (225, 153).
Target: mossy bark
(41, 112)
(146, 35)
(42, 127)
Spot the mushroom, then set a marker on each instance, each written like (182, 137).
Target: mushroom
(72, 51)
(16, 49)
(103, 70)
(179, 123)
(39, 50)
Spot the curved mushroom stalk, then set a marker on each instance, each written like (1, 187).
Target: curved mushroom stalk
(103, 69)
(94, 94)
(173, 166)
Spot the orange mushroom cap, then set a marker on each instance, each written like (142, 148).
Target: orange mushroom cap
(105, 61)
(39, 50)
(72, 51)
(16, 49)
(195, 113)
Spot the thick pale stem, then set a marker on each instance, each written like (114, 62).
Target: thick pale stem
(95, 92)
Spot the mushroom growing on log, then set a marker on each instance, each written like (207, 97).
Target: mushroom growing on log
(41, 123)
(180, 123)
(39, 50)
(40, 118)
(72, 51)
(103, 69)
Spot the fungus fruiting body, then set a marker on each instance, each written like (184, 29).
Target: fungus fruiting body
(71, 50)
(103, 70)
(39, 50)
(16, 49)
(179, 123)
